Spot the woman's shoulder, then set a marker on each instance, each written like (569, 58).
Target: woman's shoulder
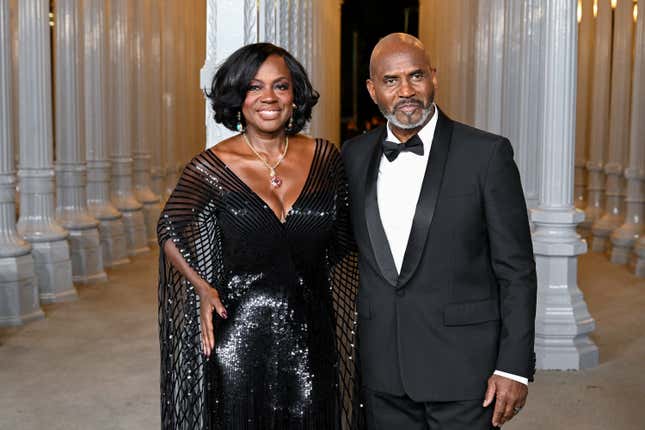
(323, 147)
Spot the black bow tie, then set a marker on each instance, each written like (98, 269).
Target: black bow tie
(391, 150)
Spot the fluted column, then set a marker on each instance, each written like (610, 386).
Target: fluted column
(585, 51)
(71, 171)
(599, 124)
(621, 74)
(19, 302)
(157, 99)
(562, 321)
(635, 174)
(489, 65)
(111, 227)
(169, 66)
(37, 223)
(146, 95)
(121, 111)
(521, 99)
(228, 27)
(447, 30)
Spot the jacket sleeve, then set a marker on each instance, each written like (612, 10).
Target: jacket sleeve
(512, 260)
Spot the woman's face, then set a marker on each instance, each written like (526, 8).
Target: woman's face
(268, 103)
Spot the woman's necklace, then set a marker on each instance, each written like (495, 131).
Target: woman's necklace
(276, 181)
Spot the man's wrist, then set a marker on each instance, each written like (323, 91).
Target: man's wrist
(511, 376)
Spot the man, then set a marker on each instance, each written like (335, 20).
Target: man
(446, 305)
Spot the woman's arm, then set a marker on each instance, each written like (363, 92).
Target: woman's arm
(208, 296)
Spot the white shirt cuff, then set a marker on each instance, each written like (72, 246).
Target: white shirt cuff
(521, 379)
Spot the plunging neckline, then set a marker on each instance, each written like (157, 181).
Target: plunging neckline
(264, 203)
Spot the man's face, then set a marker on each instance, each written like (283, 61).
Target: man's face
(402, 85)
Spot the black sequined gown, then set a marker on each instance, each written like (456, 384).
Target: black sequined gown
(285, 357)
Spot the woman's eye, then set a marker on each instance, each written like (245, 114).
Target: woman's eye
(282, 87)
(253, 87)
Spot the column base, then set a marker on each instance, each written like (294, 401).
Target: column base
(602, 230)
(551, 354)
(623, 241)
(620, 254)
(87, 257)
(637, 263)
(53, 269)
(19, 300)
(599, 243)
(113, 242)
(562, 320)
(135, 229)
(151, 212)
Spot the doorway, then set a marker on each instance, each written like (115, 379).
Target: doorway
(363, 23)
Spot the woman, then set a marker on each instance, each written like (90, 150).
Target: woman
(261, 246)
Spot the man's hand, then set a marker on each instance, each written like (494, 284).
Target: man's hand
(509, 395)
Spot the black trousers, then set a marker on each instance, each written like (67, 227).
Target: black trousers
(390, 412)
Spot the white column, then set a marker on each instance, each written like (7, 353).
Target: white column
(169, 101)
(621, 74)
(227, 29)
(121, 111)
(585, 51)
(37, 224)
(146, 124)
(522, 100)
(599, 123)
(636, 172)
(19, 301)
(156, 100)
(447, 30)
(489, 65)
(111, 227)
(562, 322)
(71, 179)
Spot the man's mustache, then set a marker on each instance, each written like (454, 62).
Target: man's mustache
(416, 103)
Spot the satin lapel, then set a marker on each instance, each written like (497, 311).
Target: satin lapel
(428, 198)
(380, 245)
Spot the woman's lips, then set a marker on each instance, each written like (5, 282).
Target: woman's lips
(269, 114)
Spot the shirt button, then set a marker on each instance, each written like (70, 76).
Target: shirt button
(400, 292)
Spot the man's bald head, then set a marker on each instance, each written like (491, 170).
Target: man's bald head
(393, 43)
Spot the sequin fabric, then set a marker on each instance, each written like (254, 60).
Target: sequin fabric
(286, 357)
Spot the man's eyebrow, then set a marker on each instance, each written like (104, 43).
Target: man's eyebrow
(390, 76)
(416, 72)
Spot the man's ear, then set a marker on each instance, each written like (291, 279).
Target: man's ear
(371, 89)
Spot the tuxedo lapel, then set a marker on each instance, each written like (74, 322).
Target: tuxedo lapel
(427, 199)
(378, 239)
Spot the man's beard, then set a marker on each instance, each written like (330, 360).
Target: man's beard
(426, 112)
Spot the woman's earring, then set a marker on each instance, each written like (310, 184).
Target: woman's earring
(290, 125)
(240, 127)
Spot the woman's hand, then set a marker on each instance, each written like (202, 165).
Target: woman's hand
(208, 302)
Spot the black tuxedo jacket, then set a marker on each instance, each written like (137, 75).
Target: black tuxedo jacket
(464, 302)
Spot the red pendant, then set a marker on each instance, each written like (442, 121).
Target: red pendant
(276, 181)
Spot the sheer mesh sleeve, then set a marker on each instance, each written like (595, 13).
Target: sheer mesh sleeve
(189, 220)
(344, 280)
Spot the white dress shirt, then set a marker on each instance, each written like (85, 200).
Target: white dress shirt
(398, 188)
